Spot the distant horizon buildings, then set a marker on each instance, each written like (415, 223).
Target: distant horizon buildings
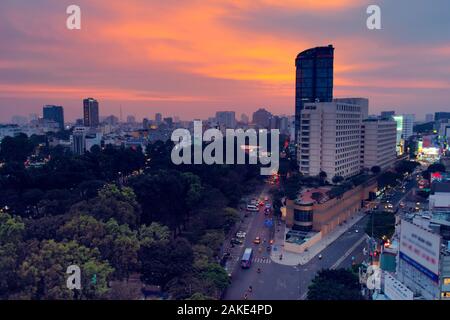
(19, 120)
(387, 114)
(111, 120)
(26, 118)
(261, 118)
(131, 119)
(158, 118)
(441, 116)
(54, 113)
(226, 119)
(78, 140)
(90, 112)
(245, 119)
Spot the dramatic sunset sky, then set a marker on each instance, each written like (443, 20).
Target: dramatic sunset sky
(192, 58)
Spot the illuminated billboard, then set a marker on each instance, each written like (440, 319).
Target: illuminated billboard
(420, 146)
(420, 248)
(440, 177)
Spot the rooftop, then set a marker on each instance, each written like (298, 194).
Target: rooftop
(306, 196)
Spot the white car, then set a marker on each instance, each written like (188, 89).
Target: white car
(252, 207)
(241, 234)
(356, 230)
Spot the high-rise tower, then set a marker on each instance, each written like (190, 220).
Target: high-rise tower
(314, 79)
(90, 112)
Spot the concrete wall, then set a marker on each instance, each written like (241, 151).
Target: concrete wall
(292, 247)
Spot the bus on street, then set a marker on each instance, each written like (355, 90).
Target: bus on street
(246, 260)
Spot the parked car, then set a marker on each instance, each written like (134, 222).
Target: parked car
(241, 234)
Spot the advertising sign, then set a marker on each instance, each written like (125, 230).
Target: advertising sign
(420, 248)
(440, 177)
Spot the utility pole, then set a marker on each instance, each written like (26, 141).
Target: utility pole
(372, 239)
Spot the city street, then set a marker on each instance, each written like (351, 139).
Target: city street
(280, 282)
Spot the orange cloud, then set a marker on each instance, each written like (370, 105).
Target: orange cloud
(125, 44)
(310, 5)
(68, 92)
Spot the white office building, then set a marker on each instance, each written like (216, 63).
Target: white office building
(378, 143)
(329, 138)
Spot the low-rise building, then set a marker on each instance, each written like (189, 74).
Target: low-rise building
(439, 200)
(321, 210)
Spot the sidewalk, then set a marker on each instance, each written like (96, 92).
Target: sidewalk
(294, 259)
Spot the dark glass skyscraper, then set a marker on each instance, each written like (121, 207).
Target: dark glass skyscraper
(314, 79)
(54, 113)
(90, 112)
(441, 116)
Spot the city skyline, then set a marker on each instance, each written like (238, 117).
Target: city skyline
(247, 64)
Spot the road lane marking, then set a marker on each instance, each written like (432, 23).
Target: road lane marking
(262, 260)
(349, 251)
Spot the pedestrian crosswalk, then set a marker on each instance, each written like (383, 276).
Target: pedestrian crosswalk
(262, 260)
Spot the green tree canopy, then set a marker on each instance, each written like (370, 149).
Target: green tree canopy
(43, 272)
(111, 202)
(160, 263)
(117, 243)
(338, 284)
(16, 149)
